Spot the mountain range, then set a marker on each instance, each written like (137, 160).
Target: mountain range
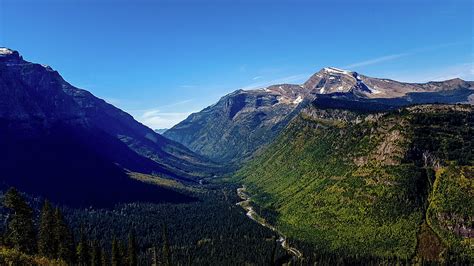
(342, 165)
(242, 122)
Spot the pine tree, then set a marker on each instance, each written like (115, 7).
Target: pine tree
(82, 250)
(96, 256)
(166, 247)
(115, 260)
(273, 254)
(132, 249)
(64, 238)
(122, 253)
(47, 245)
(20, 233)
(104, 260)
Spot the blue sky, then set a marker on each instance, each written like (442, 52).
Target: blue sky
(162, 60)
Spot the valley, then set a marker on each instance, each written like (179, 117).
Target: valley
(341, 169)
(246, 205)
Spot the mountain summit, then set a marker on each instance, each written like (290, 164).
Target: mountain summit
(333, 80)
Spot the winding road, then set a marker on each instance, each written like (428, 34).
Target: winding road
(252, 214)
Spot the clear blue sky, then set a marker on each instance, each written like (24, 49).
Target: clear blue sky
(161, 60)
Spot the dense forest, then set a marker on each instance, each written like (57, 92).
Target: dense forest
(204, 232)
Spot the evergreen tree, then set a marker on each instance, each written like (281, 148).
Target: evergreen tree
(155, 257)
(82, 250)
(104, 261)
(273, 255)
(122, 253)
(166, 247)
(63, 237)
(132, 249)
(96, 256)
(47, 245)
(20, 233)
(115, 260)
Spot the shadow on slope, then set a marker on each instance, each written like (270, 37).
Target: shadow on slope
(75, 168)
(351, 102)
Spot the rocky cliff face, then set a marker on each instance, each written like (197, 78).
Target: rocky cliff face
(240, 123)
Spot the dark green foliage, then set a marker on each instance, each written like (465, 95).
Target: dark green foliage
(446, 135)
(104, 259)
(213, 229)
(132, 249)
(20, 231)
(166, 247)
(209, 230)
(47, 244)
(451, 209)
(116, 256)
(83, 250)
(96, 254)
(63, 237)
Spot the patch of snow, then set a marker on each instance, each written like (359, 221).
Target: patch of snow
(321, 90)
(5, 51)
(340, 88)
(298, 100)
(337, 70)
(47, 67)
(374, 91)
(332, 78)
(358, 77)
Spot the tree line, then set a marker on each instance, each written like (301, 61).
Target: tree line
(53, 238)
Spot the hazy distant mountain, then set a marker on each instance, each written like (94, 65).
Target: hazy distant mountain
(65, 143)
(241, 122)
(161, 130)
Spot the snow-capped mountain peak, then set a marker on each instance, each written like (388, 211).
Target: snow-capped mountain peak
(337, 70)
(5, 51)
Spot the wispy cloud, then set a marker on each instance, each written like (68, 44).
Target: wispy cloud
(463, 71)
(377, 60)
(163, 107)
(156, 119)
(186, 86)
(257, 77)
(176, 103)
(391, 57)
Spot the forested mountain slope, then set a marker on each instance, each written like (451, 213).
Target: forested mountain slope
(357, 183)
(64, 143)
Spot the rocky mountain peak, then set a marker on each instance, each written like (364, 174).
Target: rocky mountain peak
(336, 71)
(333, 80)
(7, 54)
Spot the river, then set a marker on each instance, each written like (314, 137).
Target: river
(252, 214)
